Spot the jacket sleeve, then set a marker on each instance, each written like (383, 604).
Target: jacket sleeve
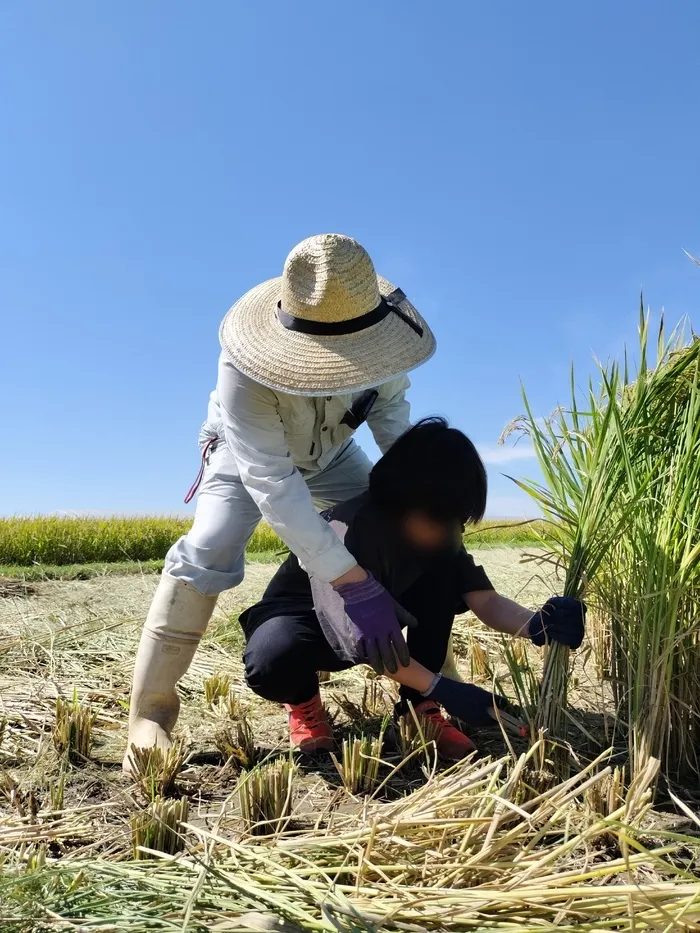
(255, 436)
(390, 416)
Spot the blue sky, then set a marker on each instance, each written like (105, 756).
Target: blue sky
(520, 170)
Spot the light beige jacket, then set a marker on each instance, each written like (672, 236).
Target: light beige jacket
(277, 439)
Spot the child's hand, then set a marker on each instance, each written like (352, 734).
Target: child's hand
(467, 702)
(561, 619)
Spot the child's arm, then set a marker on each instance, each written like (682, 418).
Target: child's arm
(414, 676)
(499, 612)
(561, 619)
(467, 702)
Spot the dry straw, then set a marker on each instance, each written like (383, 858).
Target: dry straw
(464, 852)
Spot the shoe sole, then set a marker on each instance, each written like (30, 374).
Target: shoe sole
(315, 745)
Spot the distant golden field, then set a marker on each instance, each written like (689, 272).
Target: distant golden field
(59, 541)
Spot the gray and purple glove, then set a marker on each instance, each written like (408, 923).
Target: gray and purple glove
(562, 619)
(377, 631)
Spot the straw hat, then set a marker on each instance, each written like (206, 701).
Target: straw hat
(328, 325)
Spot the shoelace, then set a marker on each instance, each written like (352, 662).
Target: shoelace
(309, 714)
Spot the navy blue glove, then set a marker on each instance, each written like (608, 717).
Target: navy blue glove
(466, 701)
(562, 619)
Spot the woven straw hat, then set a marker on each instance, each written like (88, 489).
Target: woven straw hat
(328, 325)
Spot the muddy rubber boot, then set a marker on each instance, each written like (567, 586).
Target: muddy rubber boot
(449, 668)
(176, 621)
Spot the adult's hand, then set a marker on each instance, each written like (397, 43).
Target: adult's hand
(467, 702)
(377, 631)
(562, 619)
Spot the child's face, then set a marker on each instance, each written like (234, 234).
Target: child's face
(427, 534)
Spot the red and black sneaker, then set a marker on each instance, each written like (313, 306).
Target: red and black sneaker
(451, 742)
(309, 729)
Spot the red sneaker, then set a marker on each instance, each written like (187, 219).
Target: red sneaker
(451, 742)
(309, 729)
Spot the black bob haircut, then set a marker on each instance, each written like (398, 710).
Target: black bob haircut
(434, 469)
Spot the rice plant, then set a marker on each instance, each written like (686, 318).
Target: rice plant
(158, 827)
(217, 689)
(57, 791)
(155, 771)
(361, 758)
(54, 540)
(371, 705)
(479, 660)
(58, 540)
(417, 733)
(236, 742)
(265, 796)
(621, 477)
(521, 685)
(229, 706)
(72, 729)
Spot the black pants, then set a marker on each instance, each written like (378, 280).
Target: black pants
(284, 652)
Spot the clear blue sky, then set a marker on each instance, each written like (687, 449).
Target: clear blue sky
(520, 170)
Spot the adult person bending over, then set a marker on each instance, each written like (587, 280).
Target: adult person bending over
(306, 358)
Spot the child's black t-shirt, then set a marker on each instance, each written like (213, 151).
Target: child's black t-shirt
(370, 539)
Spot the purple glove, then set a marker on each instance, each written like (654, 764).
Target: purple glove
(372, 612)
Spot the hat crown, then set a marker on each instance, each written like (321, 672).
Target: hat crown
(329, 277)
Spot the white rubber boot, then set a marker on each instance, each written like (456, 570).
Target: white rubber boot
(449, 668)
(176, 621)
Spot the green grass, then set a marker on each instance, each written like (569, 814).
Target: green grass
(40, 545)
(500, 532)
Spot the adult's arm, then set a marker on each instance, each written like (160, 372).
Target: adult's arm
(390, 416)
(255, 436)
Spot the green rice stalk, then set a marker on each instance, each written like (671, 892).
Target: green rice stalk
(57, 791)
(217, 689)
(158, 827)
(360, 761)
(155, 771)
(236, 742)
(72, 729)
(621, 474)
(265, 796)
(522, 684)
(417, 733)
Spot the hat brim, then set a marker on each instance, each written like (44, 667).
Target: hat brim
(261, 347)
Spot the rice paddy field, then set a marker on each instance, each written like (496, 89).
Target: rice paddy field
(586, 822)
(56, 547)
